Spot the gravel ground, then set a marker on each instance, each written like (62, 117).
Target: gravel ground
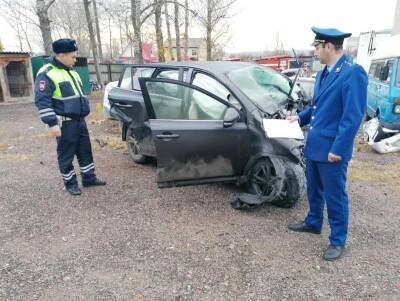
(131, 240)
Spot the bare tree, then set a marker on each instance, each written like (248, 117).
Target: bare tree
(92, 41)
(96, 21)
(177, 31)
(167, 18)
(1, 46)
(278, 44)
(186, 34)
(69, 20)
(139, 14)
(213, 16)
(27, 13)
(42, 11)
(158, 27)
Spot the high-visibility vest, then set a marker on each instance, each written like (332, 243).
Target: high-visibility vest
(68, 98)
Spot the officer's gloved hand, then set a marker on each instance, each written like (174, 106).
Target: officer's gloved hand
(55, 131)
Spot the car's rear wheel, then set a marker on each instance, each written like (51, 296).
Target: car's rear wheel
(277, 181)
(133, 148)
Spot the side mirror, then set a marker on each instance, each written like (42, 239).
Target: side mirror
(384, 73)
(231, 117)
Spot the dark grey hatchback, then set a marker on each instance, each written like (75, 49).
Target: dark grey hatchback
(203, 122)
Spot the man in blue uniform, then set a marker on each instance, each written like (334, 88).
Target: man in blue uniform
(334, 117)
(63, 107)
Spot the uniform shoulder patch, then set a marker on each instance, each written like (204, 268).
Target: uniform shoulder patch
(42, 85)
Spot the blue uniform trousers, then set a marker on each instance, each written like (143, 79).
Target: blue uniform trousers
(75, 140)
(326, 183)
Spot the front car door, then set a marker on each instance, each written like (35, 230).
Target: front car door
(193, 144)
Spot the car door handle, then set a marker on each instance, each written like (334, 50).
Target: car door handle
(123, 105)
(167, 136)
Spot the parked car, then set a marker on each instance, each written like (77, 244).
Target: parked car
(383, 97)
(382, 140)
(307, 87)
(106, 103)
(203, 122)
(291, 72)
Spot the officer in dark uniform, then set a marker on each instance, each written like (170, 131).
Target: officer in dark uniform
(335, 116)
(63, 107)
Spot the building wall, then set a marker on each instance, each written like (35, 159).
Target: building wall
(201, 53)
(25, 80)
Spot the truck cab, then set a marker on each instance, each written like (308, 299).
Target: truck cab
(383, 98)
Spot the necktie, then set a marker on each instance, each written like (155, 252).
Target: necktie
(324, 76)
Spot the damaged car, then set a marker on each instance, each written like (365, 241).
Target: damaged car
(382, 140)
(203, 122)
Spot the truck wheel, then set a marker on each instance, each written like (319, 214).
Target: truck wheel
(278, 181)
(133, 148)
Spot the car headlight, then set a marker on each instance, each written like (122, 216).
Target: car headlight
(396, 109)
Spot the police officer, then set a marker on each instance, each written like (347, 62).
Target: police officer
(63, 107)
(334, 117)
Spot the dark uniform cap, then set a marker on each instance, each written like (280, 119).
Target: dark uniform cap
(64, 46)
(324, 35)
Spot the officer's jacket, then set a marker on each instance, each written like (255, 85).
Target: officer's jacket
(58, 91)
(336, 112)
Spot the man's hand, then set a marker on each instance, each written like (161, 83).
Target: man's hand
(292, 118)
(333, 157)
(55, 131)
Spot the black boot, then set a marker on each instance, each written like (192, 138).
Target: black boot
(96, 182)
(73, 189)
(303, 227)
(333, 252)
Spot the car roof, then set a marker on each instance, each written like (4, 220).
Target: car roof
(211, 66)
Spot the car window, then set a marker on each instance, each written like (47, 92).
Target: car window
(126, 81)
(372, 69)
(215, 87)
(140, 72)
(168, 74)
(398, 74)
(130, 78)
(264, 86)
(390, 71)
(174, 101)
(172, 74)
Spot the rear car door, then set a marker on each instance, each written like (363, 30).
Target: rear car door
(126, 101)
(193, 143)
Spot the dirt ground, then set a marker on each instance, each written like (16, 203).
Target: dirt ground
(131, 240)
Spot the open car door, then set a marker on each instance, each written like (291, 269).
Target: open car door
(199, 137)
(126, 100)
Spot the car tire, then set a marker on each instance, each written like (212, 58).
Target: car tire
(280, 182)
(133, 148)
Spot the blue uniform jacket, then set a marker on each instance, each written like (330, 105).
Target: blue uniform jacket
(336, 112)
(50, 108)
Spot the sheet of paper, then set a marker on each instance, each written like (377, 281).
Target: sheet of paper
(281, 128)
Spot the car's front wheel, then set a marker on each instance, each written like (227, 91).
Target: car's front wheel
(133, 148)
(277, 181)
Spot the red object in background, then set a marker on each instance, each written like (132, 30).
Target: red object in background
(277, 62)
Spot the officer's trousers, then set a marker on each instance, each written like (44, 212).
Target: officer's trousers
(75, 141)
(326, 183)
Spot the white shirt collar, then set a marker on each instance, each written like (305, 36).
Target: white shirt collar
(330, 68)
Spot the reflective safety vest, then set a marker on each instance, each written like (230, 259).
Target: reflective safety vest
(68, 98)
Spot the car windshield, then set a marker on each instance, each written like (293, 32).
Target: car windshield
(264, 86)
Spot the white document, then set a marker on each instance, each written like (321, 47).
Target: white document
(281, 128)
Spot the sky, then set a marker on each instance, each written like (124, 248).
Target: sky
(256, 22)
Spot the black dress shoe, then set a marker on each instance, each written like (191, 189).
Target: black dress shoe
(73, 189)
(333, 253)
(96, 182)
(303, 227)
